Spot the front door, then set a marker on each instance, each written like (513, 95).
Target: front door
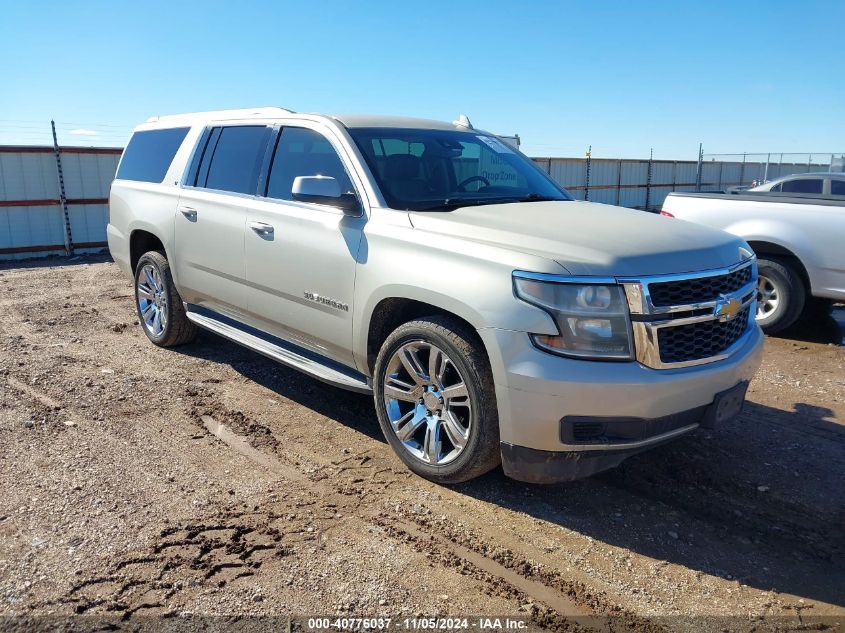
(301, 257)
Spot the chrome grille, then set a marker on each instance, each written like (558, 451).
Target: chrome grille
(683, 320)
(687, 291)
(700, 340)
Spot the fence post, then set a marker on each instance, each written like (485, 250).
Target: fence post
(766, 173)
(809, 162)
(587, 184)
(619, 183)
(62, 197)
(674, 174)
(721, 168)
(698, 168)
(742, 170)
(648, 179)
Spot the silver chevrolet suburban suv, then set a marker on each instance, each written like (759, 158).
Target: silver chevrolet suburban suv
(493, 318)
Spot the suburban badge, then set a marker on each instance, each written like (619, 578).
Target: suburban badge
(313, 296)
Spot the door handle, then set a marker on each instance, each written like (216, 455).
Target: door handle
(189, 212)
(262, 228)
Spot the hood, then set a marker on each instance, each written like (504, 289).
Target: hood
(588, 238)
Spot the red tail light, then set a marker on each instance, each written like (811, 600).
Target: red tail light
(667, 214)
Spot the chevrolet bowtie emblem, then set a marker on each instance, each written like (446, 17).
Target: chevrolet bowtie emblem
(726, 309)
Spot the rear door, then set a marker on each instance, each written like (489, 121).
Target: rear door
(211, 215)
(301, 257)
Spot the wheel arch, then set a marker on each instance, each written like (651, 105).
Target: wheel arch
(142, 240)
(762, 248)
(390, 312)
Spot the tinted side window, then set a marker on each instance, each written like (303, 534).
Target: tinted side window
(837, 187)
(149, 154)
(775, 188)
(235, 159)
(303, 152)
(803, 185)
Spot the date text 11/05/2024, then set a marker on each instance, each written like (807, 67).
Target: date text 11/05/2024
(416, 624)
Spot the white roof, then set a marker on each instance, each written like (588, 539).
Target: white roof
(348, 120)
(217, 115)
(381, 120)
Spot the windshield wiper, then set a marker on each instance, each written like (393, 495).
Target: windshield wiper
(536, 197)
(456, 203)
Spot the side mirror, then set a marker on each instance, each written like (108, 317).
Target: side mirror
(324, 190)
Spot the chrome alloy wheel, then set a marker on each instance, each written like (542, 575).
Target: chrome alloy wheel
(152, 300)
(768, 298)
(427, 403)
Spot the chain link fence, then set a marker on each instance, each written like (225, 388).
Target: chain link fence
(717, 172)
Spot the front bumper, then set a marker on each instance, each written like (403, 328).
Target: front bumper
(536, 391)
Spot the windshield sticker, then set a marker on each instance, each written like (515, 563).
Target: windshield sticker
(495, 144)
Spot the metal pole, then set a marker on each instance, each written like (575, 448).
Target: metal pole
(721, 168)
(648, 179)
(587, 186)
(742, 170)
(809, 162)
(62, 197)
(766, 173)
(674, 173)
(830, 165)
(698, 169)
(780, 162)
(619, 183)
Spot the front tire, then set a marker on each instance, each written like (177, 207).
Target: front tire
(159, 306)
(434, 397)
(780, 295)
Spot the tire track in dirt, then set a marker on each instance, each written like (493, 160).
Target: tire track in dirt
(233, 547)
(350, 477)
(219, 552)
(367, 475)
(44, 410)
(347, 482)
(520, 576)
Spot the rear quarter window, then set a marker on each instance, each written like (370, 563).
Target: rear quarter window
(148, 155)
(803, 185)
(837, 187)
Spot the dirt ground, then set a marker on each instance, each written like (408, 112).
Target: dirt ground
(138, 482)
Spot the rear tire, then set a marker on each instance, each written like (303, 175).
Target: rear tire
(441, 420)
(161, 312)
(780, 294)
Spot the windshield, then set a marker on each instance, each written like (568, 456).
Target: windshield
(427, 170)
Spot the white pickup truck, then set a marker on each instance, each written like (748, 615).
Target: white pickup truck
(799, 241)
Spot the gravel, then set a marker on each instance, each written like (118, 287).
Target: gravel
(117, 499)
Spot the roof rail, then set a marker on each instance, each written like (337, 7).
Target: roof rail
(243, 113)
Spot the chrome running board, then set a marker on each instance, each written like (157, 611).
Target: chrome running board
(281, 351)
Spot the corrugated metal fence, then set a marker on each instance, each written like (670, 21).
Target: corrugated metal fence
(32, 221)
(31, 217)
(644, 184)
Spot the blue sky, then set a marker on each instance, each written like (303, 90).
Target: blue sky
(623, 77)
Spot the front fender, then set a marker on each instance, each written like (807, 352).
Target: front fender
(491, 305)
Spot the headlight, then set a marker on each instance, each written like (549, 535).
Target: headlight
(592, 319)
